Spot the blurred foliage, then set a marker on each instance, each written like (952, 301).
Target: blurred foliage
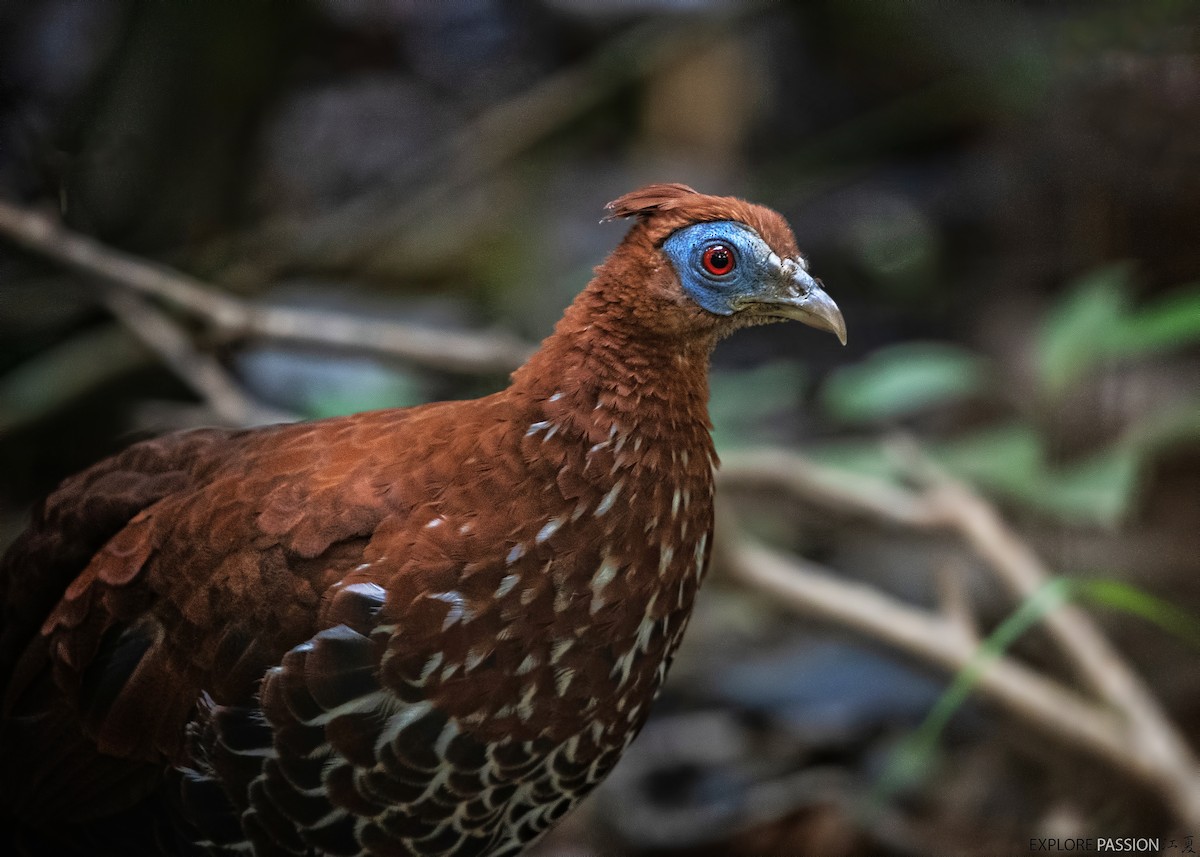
(1080, 330)
(1012, 461)
(1092, 325)
(314, 386)
(917, 757)
(1096, 322)
(902, 380)
(742, 404)
(393, 390)
(47, 382)
(1135, 601)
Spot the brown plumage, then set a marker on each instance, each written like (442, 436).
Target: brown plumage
(418, 631)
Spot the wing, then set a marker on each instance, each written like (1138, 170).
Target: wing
(335, 756)
(39, 739)
(224, 635)
(76, 521)
(415, 720)
(185, 566)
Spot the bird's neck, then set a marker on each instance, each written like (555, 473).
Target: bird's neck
(600, 372)
(620, 417)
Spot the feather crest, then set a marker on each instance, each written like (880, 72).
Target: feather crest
(643, 202)
(660, 209)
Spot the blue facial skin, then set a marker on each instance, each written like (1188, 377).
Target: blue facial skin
(751, 274)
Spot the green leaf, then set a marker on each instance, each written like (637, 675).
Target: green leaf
(1010, 461)
(372, 391)
(1137, 602)
(902, 380)
(1077, 333)
(1170, 322)
(913, 759)
(55, 377)
(1099, 489)
(1096, 322)
(1003, 458)
(867, 457)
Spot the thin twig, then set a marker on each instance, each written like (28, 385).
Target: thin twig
(954, 600)
(1137, 735)
(439, 349)
(829, 488)
(207, 378)
(805, 586)
(1151, 733)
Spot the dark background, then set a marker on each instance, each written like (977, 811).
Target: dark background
(1004, 199)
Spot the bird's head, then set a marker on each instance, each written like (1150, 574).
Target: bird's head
(717, 263)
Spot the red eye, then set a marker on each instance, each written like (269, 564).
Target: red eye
(718, 260)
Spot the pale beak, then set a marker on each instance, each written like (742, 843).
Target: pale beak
(802, 299)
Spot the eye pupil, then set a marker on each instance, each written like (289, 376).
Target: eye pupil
(718, 260)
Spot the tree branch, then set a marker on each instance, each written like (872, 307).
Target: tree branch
(803, 585)
(439, 349)
(1150, 733)
(202, 372)
(1127, 726)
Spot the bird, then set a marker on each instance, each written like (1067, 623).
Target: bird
(419, 631)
